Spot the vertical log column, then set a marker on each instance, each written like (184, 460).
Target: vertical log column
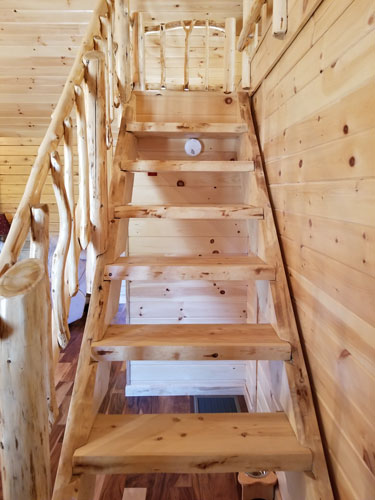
(24, 446)
(97, 155)
(229, 54)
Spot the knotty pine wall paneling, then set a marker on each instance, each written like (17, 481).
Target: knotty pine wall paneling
(316, 116)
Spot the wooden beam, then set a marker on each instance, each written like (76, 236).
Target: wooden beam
(249, 24)
(24, 449)
(188, 443)
(190, 342)
(189, 268)
(229, 54)
(188, 211)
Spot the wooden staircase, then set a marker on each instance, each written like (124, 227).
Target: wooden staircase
(115, 444)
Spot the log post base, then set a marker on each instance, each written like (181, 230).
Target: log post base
(261, 487)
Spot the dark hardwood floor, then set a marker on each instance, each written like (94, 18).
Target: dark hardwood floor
(135, 486)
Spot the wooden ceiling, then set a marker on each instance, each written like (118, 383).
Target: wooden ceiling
(38, 42)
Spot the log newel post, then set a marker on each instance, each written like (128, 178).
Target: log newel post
(24, 442)
(229, 54)
(97, 154)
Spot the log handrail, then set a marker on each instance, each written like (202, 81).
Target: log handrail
(89, 94)
(21, 222)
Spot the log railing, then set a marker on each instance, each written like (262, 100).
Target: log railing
(228, 29)
(33, 310)
(256, 14)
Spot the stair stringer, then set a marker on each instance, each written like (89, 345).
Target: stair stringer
(296, 399)
(92, 378)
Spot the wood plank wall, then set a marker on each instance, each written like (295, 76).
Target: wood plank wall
(17, 155)
(316, 115)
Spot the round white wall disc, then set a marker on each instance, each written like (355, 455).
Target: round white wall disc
(193, 147)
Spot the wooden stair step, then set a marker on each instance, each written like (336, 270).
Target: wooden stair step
(188, 211)
(190, 342)
(185, 166)
(191, 443)
(188, 129)
(159, 268)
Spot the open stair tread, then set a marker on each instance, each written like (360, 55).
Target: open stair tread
(185, 166)
(190, 342)
(187, 129)
(217, 267)
(191, 443)
(189, 211)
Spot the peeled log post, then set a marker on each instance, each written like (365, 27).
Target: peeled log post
(24, 446)
(39, 247)
(245, 54)
(106, 23)
(72, 259)
(59, 315)
(229, 54)
(249, 23)
(122, 39)
(97, 155)
(83, 170)
(207, 52)
(141, 52)
(279, 17)
(163, 42)
(186, 60)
